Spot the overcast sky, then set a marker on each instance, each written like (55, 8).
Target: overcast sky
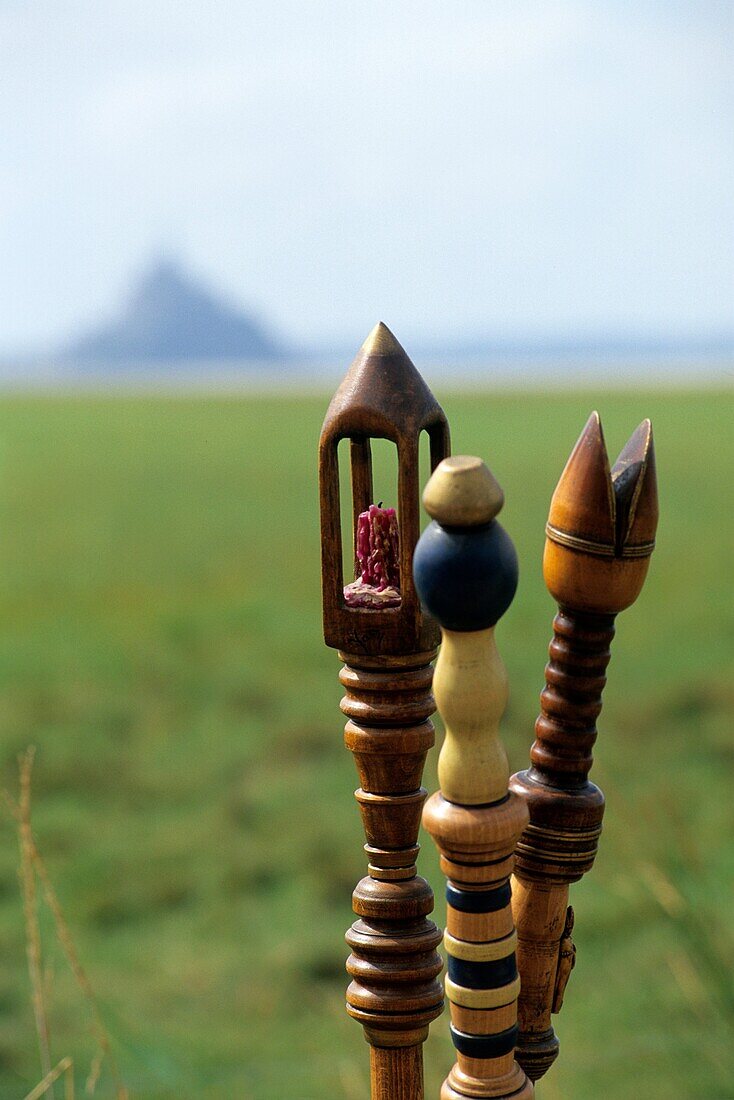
(456, 168)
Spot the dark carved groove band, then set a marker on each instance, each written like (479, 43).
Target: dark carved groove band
(482, 975)
(543, 845)
(478, 901)
(485, 1046)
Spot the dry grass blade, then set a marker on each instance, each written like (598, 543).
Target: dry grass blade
(94, 1071)
(30, 911)
(690, 983)
(67, 945)
(33, 869)
(65, 1066)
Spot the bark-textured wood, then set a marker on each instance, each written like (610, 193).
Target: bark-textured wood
(394, 966)
(600, 535)
(467, 573)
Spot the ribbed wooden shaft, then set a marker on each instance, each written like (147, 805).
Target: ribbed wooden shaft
(560, 843)
(571, 701)
(388, 648)
(599, 537)
(394, 964)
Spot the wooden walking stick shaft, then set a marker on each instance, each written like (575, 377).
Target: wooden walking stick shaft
(600, 535)
(387, 645)
(466, 572)
(394, 966)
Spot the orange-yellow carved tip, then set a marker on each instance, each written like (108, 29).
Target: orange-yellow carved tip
(616, 509)
(602, 523)
(583, 503)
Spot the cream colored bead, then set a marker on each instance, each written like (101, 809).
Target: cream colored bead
(482, 998)
(462, 492)
(480, 952)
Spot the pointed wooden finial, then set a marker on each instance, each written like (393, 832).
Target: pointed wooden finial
(383, 395)
(381, 342)
(582, 506)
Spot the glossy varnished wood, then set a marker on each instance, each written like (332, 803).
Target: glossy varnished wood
(600, 534)
(382, 396)
(394, 964)
(473, 820)
(396, 1073)
(388, 702)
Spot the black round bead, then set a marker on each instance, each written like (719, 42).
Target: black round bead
(465, 576)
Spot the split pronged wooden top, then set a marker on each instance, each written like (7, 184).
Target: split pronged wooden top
(602, 522)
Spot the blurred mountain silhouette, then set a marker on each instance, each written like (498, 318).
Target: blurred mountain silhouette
(170, 317)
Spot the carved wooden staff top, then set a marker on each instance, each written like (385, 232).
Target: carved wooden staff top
(599, 538)
(466, 571)
(387, 645)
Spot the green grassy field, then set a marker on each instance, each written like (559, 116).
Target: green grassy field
(160, 644)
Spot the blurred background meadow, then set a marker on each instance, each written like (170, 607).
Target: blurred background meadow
(204, 213)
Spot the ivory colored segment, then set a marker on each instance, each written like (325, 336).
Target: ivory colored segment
(540, 917)
(470, 689)
(462, 492)
(480, 952)
(482, 998)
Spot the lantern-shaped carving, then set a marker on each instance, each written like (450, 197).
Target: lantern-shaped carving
(387, 646)
(382, 397)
